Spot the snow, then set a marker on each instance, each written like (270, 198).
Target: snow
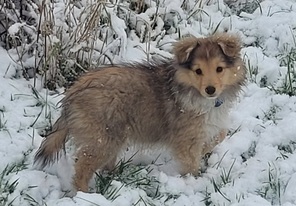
(255, 165)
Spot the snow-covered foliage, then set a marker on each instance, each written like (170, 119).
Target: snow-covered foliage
(49, 43)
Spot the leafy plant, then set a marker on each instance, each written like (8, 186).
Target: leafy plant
(6, 187)
(252, 69)
(272, 188)
(271, 114)
(222, 180)
(207, 199)
(2, 121)
(127, 174)
(289, 83)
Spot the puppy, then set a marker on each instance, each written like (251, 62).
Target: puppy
(182, 104)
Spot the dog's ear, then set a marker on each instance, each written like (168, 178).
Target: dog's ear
(183, 49)
(230, 44)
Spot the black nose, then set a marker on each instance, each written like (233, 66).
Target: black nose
(210, 90)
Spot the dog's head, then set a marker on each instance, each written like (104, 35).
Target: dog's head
(209, 64)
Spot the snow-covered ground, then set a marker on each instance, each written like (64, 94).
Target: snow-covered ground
(254, 166)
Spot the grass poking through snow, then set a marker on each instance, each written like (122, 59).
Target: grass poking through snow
(126, 174)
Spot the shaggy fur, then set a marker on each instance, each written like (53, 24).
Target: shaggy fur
(170, 103)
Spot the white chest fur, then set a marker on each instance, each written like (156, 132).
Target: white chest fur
(216, 119)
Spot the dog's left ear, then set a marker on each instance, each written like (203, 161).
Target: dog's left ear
(183, 49)
(230, 44)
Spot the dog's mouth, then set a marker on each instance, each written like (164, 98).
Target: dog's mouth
(211, 97)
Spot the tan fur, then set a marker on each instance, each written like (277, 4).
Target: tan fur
(165, 103)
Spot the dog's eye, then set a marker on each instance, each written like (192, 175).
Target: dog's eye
(198, 71)
(219, 69)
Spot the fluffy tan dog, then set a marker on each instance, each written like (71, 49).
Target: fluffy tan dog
(182, 104)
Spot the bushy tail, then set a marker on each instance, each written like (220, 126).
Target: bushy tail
(50, 148)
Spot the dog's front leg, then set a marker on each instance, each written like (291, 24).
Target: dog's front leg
(209, 145)
(188, 154)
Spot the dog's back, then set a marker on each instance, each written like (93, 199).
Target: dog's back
(125, 101)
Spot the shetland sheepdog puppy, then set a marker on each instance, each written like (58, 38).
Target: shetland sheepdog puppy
(181, 104)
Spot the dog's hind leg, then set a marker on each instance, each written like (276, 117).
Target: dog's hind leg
(91, 158)
(110, 166)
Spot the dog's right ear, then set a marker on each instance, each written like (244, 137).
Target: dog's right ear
(183, 49)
